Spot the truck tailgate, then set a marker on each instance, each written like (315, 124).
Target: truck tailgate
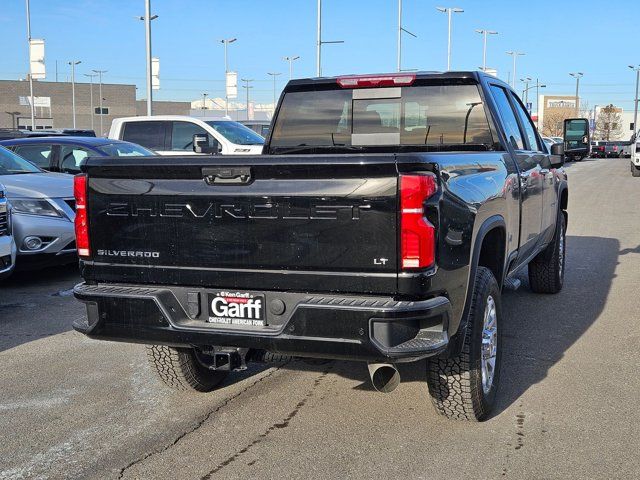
(313, 223)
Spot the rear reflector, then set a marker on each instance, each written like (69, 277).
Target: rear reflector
(417, 234)
(371, 81)
(82, 221)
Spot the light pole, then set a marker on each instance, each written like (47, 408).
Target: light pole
(99, 73)
(484, 34)
(291, 60)
(246, 85)
(147, 24)
(449, 11)
(635, 109)
(515, 55)
(33, 109)
(204, 104)
(320, 42)
(226, 42)
(577, 76)
(91, 75)
(525, 92)
(73, 64)
(274, 75)
(400, 30)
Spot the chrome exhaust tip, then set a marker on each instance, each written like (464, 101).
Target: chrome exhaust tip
(384, 377)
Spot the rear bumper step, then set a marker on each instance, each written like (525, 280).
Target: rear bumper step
(330, 326)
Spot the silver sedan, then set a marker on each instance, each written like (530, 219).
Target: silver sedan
(43, 211)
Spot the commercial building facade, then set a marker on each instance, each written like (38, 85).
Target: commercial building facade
(54, 106)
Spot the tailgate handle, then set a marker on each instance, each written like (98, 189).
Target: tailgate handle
(227, 175)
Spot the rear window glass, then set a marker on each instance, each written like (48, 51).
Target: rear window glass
(433, 115)
(125, 150)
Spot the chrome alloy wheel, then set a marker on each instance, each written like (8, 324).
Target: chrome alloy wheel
(489, 344)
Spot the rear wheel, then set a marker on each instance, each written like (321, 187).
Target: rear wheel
(546, 270)
(635, 171)
(464, 387)
(183, 368)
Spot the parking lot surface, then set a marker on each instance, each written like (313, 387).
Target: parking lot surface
(71, 407)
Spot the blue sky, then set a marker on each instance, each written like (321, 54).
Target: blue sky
(597, 38)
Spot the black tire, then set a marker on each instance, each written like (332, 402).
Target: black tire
(180, 369)
(635, 171)
(456, 383)
(546, 270)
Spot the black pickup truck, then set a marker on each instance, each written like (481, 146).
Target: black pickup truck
(380, 224)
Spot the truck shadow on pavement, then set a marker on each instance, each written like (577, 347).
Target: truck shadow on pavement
(537, 329)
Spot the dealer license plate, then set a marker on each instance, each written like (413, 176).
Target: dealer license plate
(236, 308)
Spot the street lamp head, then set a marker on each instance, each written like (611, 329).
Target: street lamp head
(457, 10)
(576, 74)
(441, 9)
(228, 40)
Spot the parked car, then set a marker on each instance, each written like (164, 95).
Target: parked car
(7, 244)
(597, 149)
(173, 135)
(383, 235)
(42, 212)
(64, 154)
(75, 132)
(11, 133)
(613, 149)
(261, 127)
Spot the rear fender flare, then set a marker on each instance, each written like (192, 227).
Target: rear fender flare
(495, 221)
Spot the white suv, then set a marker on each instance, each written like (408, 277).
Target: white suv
(7, 245)
(173, 135)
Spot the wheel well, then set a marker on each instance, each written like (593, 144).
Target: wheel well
(564, 199)
(492, 252)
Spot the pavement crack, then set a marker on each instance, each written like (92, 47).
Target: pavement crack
(198, 424)
(276, 426)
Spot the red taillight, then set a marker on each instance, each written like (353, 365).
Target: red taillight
(417, 234)
(82, 221)
(371, 81)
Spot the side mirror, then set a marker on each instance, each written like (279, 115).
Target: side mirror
(577, 137)
(204, 144)
(557, 155)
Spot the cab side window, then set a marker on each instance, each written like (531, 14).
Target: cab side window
(182, 135)
(39, 155)
(512, 129)
(529, 129)
(148, 134)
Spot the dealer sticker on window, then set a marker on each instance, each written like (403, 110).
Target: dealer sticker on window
(236, 308)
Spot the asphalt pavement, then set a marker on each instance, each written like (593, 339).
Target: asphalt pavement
(71, 407)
